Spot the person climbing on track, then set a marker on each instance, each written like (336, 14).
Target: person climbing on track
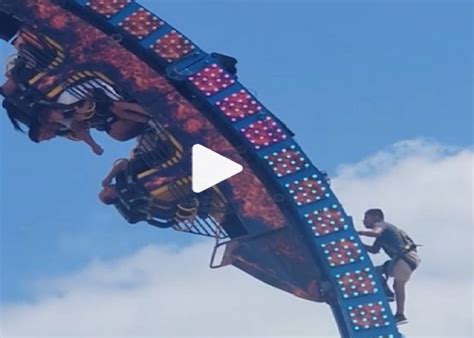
(402, 252)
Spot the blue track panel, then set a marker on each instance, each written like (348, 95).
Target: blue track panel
(363, 310)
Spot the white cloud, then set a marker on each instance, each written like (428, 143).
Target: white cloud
(164, 291)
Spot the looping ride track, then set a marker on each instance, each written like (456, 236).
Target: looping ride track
(293, 232)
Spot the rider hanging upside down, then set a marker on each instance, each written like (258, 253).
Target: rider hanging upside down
(121, 120)
(90, 104)
(49, 123)
(105, 110)
(124, 177)
(52, 123)
(148, 187)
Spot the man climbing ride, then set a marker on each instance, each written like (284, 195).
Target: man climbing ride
(402, 252)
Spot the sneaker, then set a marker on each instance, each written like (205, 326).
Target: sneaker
(400, 319)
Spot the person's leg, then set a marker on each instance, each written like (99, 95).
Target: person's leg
(130, 111)
(399, 287)
(125, 130)
(401, 275)
(383, 273)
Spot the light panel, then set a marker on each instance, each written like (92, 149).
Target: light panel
(356, 283)
(238, 106)
(141, 23)
(287, 161)
(107, 8)
(172, 46)
(264, 133)
(367, 316)
(211, 80)
(326, 221)
(342, 252)
(307, 190)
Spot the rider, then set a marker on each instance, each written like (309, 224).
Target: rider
(125, 180)
(122, 183)
(39, 132)
(89, 104)
(110, 193)
(399, 247)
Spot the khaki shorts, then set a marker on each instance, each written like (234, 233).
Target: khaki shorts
(401, 271)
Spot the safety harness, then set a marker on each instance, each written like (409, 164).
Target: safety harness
(409, 246)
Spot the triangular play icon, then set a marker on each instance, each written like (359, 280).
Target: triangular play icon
(210, 168)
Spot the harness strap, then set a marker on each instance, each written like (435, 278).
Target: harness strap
(403, 255)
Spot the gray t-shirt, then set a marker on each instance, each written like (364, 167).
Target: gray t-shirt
(392, 240)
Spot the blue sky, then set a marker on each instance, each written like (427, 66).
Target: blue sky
(349, 78)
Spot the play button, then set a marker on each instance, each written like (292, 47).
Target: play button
(210, 168)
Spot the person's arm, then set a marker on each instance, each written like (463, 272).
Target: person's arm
(375, 247)
(119, 166)
(370, 233)
(81, 132)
